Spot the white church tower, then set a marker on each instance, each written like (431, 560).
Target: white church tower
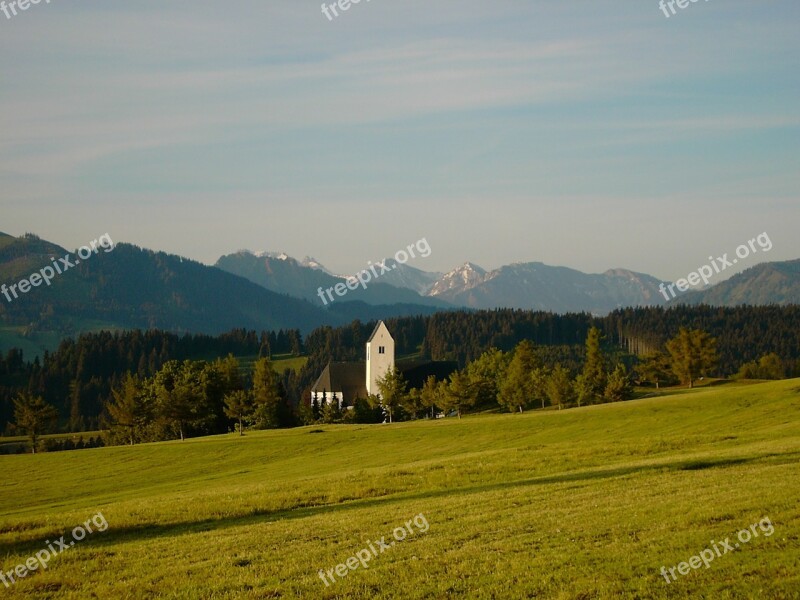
(380, 356)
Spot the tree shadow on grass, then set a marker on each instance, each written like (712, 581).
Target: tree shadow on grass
(144, 532)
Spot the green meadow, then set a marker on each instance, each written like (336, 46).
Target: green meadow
(582, 503)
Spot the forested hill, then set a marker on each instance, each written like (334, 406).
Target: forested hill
(767, 283)
(130, 288)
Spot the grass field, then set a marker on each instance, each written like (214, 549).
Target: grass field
(582, 503)
(280, 362)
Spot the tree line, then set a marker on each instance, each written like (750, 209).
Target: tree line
(80, 377)
(520, 379)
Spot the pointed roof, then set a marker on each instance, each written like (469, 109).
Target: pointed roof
(375, 331)
(345, 377)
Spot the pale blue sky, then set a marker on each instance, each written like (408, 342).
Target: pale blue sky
(592, 134)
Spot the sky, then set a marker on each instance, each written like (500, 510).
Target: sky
(592, 134)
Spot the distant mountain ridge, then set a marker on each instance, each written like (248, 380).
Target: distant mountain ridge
(530, 286)
(132, 287)
(284, 274)
(766, 283)
(537, 286)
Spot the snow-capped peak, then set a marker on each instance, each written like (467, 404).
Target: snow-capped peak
(313, 263)
(466, 276)
(275, 255)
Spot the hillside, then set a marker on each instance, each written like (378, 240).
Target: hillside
(767, 283)
(131, 287)
(581, 503)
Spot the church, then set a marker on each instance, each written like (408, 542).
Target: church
(346, 382)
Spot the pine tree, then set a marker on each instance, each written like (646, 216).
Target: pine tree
(487, 373)
(315, 410)
(239, 406)
(654, 367)
(33, 416)
(619, 385)
(458, 394)
(392, 389)
(266, 395)
(693, 353)
(559, 387)
(519, 388)
(431, 394)
(127, 410)
(594, 369)
(332, 413)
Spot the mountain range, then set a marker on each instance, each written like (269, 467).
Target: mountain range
(531, 286)
(132, 287)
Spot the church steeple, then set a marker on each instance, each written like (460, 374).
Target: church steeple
(380, 356)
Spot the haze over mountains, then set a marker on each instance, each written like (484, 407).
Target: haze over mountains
(284, 274)
(532, 285)
(132, 287)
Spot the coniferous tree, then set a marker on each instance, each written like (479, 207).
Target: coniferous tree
(559, 387)
(487, 373)
(392, 390)
(239, 406)
(594, 369)
(315, 409)
(128, 410)
(332, 413)
(266, 395)
(518, 389)
(458, 394)
(655, 368)
(693, 353)
(431, 393)
(33, 416)
(619, 385)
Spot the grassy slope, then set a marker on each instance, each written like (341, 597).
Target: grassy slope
(584, 503)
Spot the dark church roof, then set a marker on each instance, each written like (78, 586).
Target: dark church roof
(347, 377)
(351, 377)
